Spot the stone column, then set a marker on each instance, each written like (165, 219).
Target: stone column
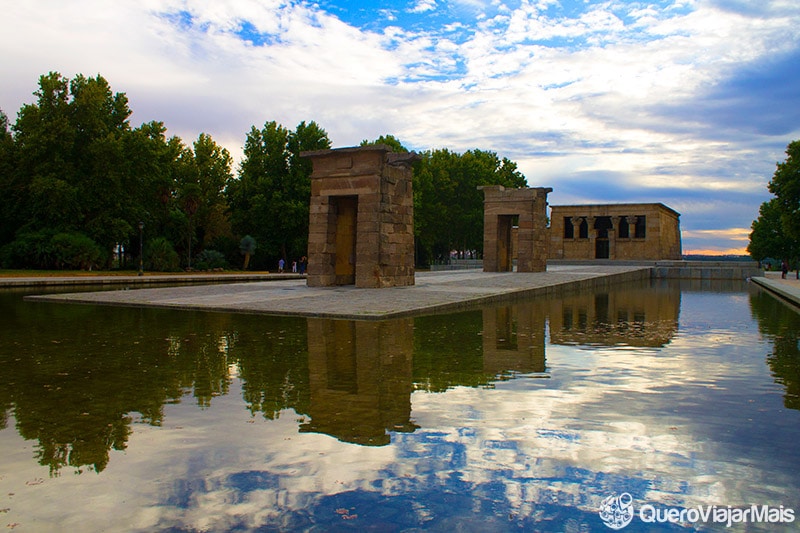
(612, 237)
(576, 227)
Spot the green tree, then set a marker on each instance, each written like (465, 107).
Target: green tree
(776, 231)
(785, 185)
(448, 207)
(389, 140)
(9, 221)
(70, 161)
(768, 238)
(270, 198)
(213, 165)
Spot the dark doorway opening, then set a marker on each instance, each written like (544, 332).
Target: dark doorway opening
(505, 223)
(602, 248)
(346, 209)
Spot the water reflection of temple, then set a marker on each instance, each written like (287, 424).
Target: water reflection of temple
(362, 374)
(513, 338)
(632, 316)
(360, 379)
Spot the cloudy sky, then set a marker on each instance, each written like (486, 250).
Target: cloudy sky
(686, 102)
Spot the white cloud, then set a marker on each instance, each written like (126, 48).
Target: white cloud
(423, 6)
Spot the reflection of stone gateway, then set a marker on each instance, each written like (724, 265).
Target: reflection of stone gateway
(360, 379)
(361, 218)
(514, 338)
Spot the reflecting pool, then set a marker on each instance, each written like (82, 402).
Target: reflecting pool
(519, 417)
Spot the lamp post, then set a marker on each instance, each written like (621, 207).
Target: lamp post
(141, 248)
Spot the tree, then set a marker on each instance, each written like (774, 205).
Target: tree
(9, 221)
(389, 140)
(448, 207)
(213, 164)
(768, 238)
(271, 197)
(70, 161)
(776, 231)
(785, 185)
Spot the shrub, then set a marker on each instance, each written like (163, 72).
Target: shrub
(210, 259)
(75, 250)
(29, 250)
(160, 256)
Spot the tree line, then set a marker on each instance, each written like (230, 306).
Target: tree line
(775, 235)
(83, 188)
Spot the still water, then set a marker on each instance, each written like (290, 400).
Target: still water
(522, 417)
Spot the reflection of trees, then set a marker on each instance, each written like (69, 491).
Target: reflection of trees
(76, 377)
(781, 326)
(448, 351)
(273, 363)
(75, 374)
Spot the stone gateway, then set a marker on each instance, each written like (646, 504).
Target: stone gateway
(361, 218)
(510, 213)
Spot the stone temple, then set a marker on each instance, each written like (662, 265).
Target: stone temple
(615, 231)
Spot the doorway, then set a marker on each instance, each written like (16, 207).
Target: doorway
(505, 224)
(602, 247)
(346, 209)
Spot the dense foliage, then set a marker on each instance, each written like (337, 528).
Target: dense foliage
(776, 231)
(81, 187)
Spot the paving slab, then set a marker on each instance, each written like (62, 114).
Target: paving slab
(433, 292)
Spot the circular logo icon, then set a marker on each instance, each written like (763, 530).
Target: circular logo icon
(617, 511)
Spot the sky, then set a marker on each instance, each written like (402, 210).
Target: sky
(690, 103)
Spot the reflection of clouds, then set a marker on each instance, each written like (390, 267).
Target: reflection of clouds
(195, 471)
(611, 419)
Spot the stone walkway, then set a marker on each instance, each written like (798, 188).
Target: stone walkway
(433, 292)
(788, 288)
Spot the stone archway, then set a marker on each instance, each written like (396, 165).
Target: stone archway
(500, 207)
(361, 217)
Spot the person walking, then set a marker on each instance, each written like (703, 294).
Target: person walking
(281, 264)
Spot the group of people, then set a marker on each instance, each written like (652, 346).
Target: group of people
(298, 267)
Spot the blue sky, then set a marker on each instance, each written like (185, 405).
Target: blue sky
(686, 102)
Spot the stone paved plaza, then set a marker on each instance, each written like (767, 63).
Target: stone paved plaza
(432, 292)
